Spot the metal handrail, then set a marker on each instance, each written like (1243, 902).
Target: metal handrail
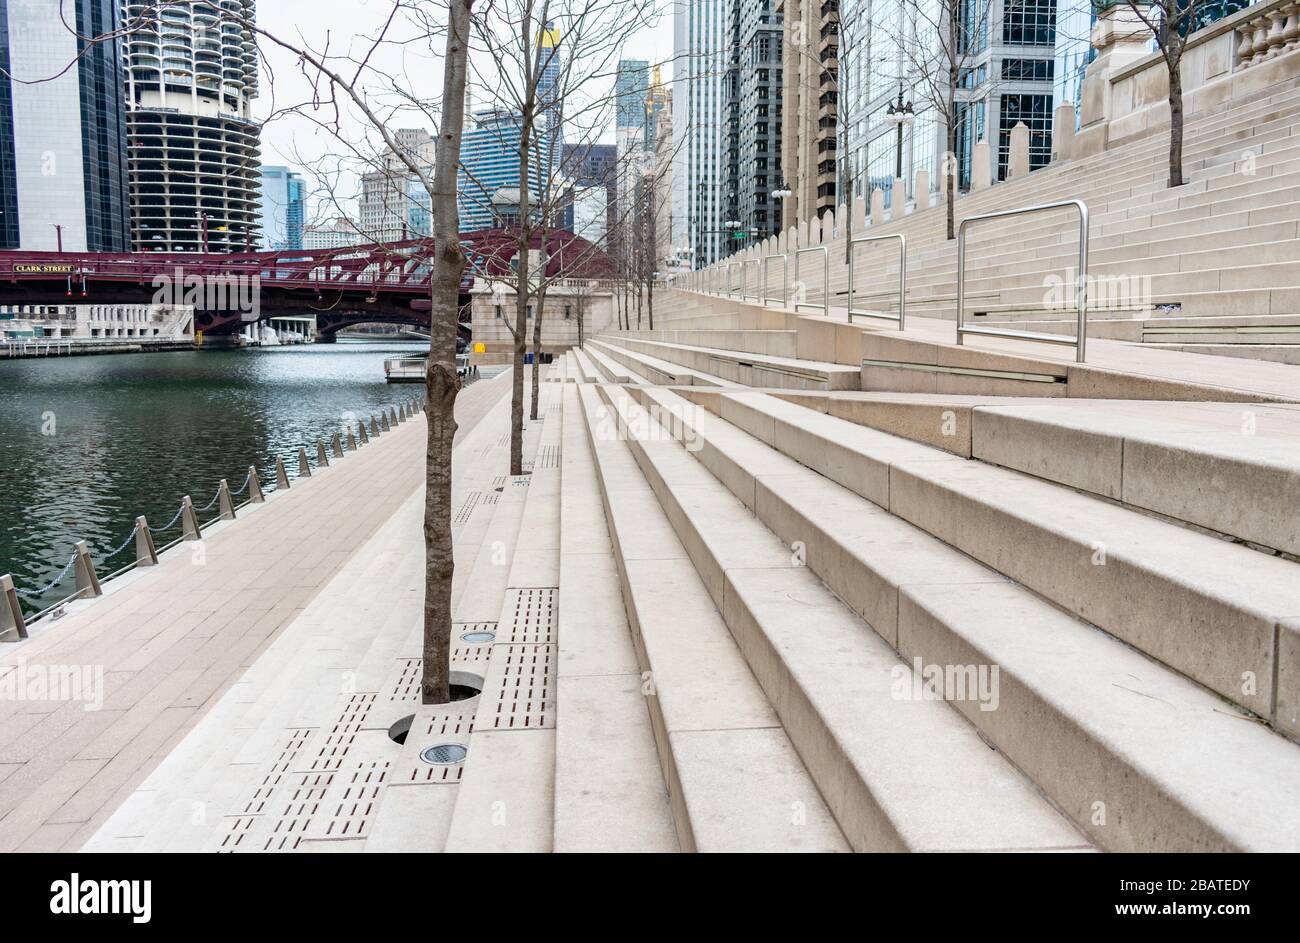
(1079, 341)
(743, 264)
(902, 279)
(826, 277)
(785, 277)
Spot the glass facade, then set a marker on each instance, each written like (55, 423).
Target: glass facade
(8, 171)
(103, 129)
(489, 157)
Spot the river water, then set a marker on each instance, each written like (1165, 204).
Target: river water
(89, 443)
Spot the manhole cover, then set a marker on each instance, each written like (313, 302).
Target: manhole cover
(478, 637)
(444, 754)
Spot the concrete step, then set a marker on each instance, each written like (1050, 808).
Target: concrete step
(898, 773)
(505, 801)
(1275, 353)
(610, 369)
(777, 343)
(587, 372)
(1140, 757)
(1214, 610)
(610, 794)
(747, 369)
(1225, 467)
(735, 781)
(659, 371)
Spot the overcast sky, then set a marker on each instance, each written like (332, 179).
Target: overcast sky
(296, 142)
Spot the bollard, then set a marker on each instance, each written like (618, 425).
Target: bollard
(281, 475)
(394, 412)
(404, 413)
(361, 428)
(352, 440)
(374, 427)
(384, 422)
(87, 580)
(11, 612)
(254, 487)
(336, 443)
(189, 520)
(146, 554)
(322, 459)
(225, 506)
(304, 469)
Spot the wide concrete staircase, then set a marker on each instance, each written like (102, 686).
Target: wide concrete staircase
(1209, 267)
(959, 622)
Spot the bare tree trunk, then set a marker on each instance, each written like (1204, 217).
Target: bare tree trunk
(441, 382)
(950, 182)
(537, 344)
(522, 291)
(1176, 123)
(650, 301)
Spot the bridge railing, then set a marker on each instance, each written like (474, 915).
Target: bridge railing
(80, 565)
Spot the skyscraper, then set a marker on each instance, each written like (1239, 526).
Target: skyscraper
(194, 148)
(281, 217)
(489, 161)
(726, 125)
(62, 139)
(810, 89)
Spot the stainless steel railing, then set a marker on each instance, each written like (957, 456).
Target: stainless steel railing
(826, 277)
(1079, 341)
(902, 279)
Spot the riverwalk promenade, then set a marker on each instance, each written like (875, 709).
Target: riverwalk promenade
(172, 640)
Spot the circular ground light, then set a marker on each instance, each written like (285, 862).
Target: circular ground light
(479, 638)
(444, 754)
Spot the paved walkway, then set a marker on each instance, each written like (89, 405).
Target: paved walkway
(170, 641)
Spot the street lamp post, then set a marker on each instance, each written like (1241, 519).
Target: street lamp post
(58, 235)
(901, 114)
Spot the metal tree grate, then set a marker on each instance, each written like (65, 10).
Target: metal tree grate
(467, 508)
(526, 697)
(533, 616)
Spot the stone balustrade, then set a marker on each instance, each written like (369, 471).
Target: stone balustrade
(1268, 35)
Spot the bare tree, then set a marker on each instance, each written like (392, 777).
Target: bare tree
(936, 44)
(340, 104)
(547, 63)
(1172, 22)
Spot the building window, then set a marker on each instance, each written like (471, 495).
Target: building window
(1036, 112)
(1029, 23)
(568, 313)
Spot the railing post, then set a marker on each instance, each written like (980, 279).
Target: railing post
(304, 467)
(281, 475)
(361, 430)
(336, 443)
(146, 554)
(11, 611)
(225, 506)
(254, 487)
(189, 520)
(352, 440)
(322, 459)
(87, 579)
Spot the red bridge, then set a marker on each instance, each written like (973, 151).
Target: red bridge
(375, 283)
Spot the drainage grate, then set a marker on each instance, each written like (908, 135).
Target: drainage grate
(498, 482)
(467, 509)
(550, 457)
(526, 698)
(533, 619)
(491, 498)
